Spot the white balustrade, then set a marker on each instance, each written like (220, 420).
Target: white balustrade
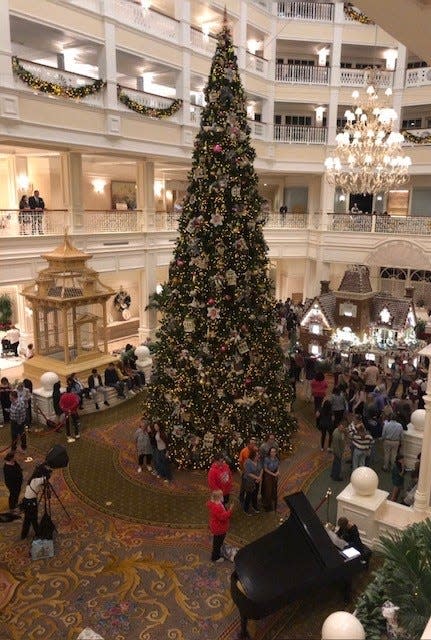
(258, 129)
(301, 74)
(349, 222)
(201, 42)
(287, 221)
(418, 77)
(151, 100)
(26, 223)
(314, 11)
(112, 221)
(148, 20)
(257, 64)
(300, 134)
(414, 225)
(361, 77)
(264, 4)
(195, 115)
(61, 77)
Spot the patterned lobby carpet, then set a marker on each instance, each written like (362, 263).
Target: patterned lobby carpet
(132, 563)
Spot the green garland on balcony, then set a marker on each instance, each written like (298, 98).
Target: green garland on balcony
(411, 137)
(150, 112)
(356, 15)
(53, 88)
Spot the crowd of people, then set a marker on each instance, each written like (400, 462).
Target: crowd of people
(289, 315)
(366, 404)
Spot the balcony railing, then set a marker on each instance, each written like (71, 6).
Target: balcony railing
(287, 221)
(418, 77)
(112, 221)
(361, 77)
(31, 223)
(258, 129)
(403, 225)
(195, 115)
(131, 14)
(204, 44)
(59, 76)
(315, 11)
(301, 74)
(300, 134)
(152, 100)
(257, 64)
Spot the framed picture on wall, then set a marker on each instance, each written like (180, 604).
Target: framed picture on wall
(123, 195)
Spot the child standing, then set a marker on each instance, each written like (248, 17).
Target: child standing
(219, 518)
(144, 450)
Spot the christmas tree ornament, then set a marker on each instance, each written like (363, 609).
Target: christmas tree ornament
(217, 148)
(213, 313)
(189, 325)
(231, 277)
(242, 347)
(216, 219)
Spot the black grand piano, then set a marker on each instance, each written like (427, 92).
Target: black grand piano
(283, 565)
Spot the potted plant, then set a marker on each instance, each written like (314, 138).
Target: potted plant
(5, 312)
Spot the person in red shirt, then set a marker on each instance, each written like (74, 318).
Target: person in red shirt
(319, 387)
(219, 518)
(220, 477)
(69, 404)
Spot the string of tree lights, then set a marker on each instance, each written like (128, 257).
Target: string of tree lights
(219, 375)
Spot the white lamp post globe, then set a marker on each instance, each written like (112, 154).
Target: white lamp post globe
(48, 380)
(365, 481)
(142, 353)
(341, 625)
(418, 420)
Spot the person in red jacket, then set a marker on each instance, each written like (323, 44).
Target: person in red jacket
(69, 404)
(220, 477)
(219, 518)
(319, 387)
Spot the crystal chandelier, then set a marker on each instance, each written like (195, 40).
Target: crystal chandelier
(368, 157)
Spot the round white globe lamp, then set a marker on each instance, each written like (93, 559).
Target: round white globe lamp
(364, 481)
(48, 380)
(341, 625)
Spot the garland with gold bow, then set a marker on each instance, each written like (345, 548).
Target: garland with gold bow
(151, 112)
(54, 88)
(411, 137)
(356, 15)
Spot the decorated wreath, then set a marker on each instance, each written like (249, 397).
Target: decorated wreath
(122, 301)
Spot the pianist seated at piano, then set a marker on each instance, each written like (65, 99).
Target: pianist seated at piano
(349, 532)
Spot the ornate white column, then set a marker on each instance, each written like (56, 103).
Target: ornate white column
(71, 174)
(147, 286)
(145, 193)
(182, 13)
(6, 75)
(423, 492)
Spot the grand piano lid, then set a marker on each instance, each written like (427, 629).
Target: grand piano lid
(289, 558)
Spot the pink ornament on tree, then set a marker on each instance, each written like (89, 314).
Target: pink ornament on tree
(211, 302)
(217, 148)
(180, 263)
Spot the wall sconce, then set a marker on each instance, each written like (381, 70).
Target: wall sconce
(390, 56)
(342, 198)
(23, 183)
(159, 289)
(158, 188)
(319, 114)
(253, 46)
(169, 195)
(323, 54)
(206, 26)
(98, 185)
(145, 4)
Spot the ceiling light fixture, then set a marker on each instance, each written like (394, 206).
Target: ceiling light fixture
(368, 157)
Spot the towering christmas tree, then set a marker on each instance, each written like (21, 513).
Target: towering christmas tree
(219, 374)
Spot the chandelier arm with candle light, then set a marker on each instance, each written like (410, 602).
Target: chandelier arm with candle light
(368, 157)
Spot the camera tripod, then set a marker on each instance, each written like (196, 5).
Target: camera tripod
(47, 492)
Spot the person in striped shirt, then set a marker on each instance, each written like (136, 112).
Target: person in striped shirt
(362, 442)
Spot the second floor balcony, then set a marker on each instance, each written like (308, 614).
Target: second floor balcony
(309, 11)
(302, 74)
(300, 134)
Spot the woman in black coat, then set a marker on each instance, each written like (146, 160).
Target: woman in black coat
(325, 423)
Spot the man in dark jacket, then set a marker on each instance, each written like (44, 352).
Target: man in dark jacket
(37, 207)
(112, 380)
(12, 478)
(96, 387)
